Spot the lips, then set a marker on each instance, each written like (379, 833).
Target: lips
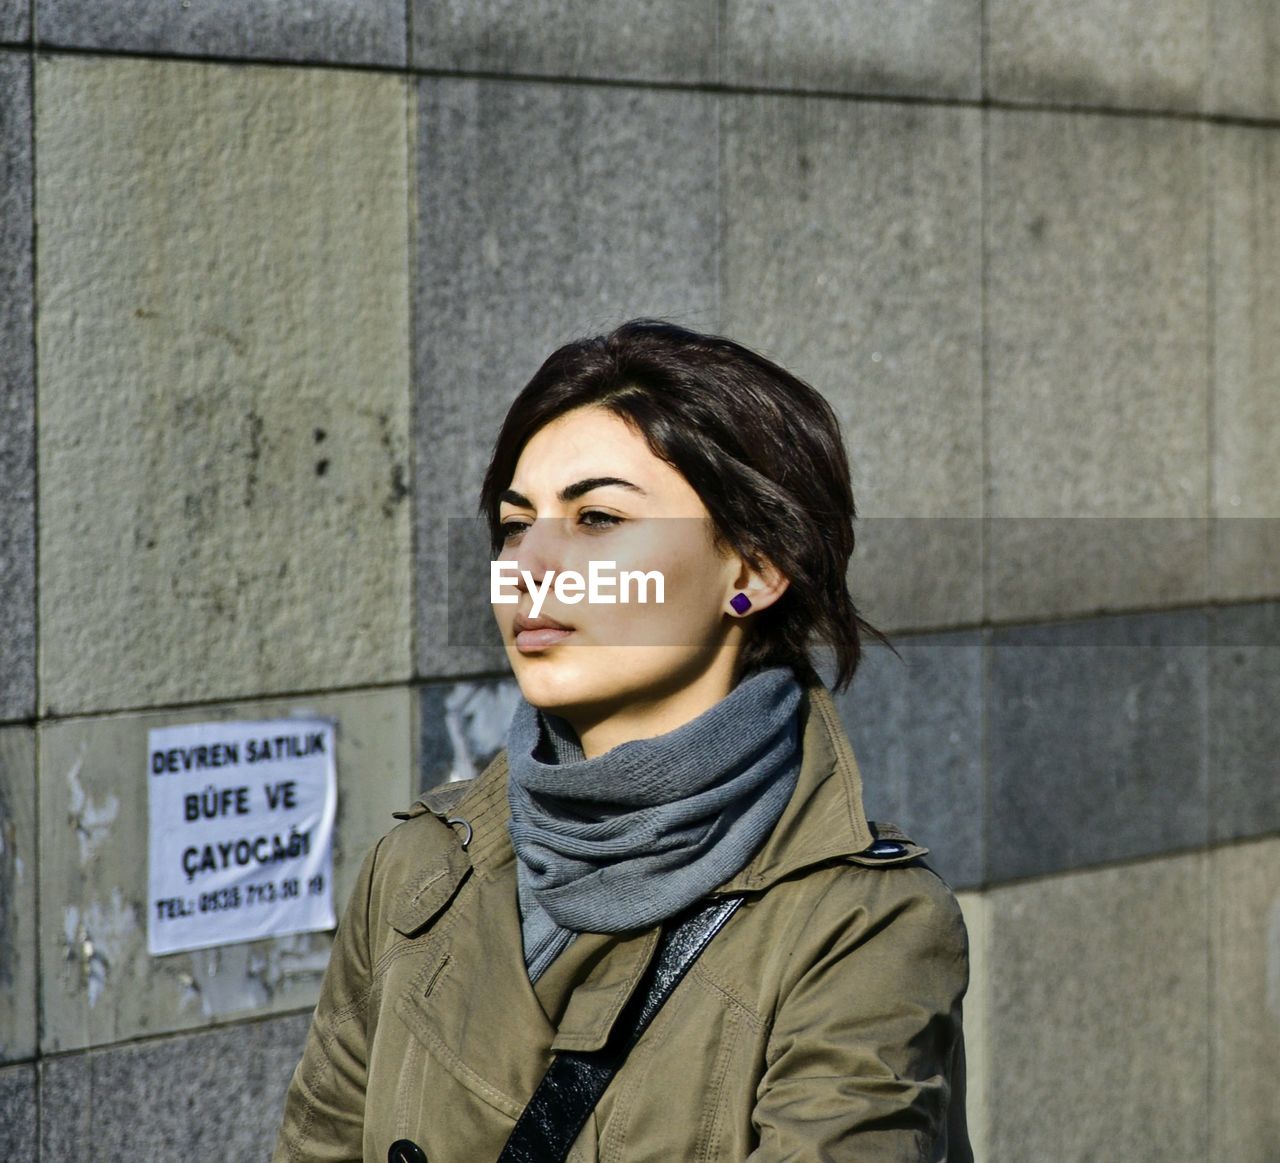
(539, 633)
(541, 622)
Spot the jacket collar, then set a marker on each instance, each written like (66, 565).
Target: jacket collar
(823, 820)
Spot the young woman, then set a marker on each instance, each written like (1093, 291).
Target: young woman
(663, 755)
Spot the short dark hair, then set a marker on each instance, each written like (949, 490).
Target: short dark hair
(759, 446)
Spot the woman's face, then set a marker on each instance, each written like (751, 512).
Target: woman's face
(587, 488)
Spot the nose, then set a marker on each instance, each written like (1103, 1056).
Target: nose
(541, 548)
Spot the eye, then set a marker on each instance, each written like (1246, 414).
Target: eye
(591, 518)
(606, 520)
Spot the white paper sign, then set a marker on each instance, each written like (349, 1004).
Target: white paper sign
(241, 831)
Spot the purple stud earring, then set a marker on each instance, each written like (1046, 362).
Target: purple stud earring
(740, 602)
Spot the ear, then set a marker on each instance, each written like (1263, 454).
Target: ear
(761, 581)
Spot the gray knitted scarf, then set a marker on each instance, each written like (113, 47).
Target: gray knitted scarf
(629, 838)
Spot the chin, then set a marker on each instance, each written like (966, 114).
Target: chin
(551, 683)
(564, 679)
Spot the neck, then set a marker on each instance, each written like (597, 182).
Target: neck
(621, 841)
(600, 729)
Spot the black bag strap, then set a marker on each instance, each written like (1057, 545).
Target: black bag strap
(575, 1080)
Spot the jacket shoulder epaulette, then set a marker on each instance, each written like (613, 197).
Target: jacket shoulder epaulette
(889, 847)
(440, 800)
(424, 864)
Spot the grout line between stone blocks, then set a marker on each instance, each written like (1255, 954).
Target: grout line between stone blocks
(719, 66)
(1046, 621)
(982, 50)
(412, 88)
(1209, 163)
(412, 111)
(719, 32)
(717, 87)
(1211, 974)
(1210, 168)
(984, 544)
(37, 685)
(720, 114)
(408, 35)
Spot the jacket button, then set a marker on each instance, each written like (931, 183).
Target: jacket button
(405, 1151)
(885, 849)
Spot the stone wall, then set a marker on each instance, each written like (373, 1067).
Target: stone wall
(270, 275)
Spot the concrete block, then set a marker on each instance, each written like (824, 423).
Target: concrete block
(1246, 356)
(17, 396)
(1055, 566)
(1244, 730)
(1246, 59)
(1096, 742)
(462, 726)
(912, 573)
(15, 21)
(1125, 54)
(347, 31)
(1245, 555)
(1245, 1034)
(19, 1114)
(851, 255)
(223, 393)
(1097, 354)
(648, 40)
(1099, 1015)
(977, 1006)
(931, 48)
(214, 1095)
(513, 259)
(98, 983)
(17, 893)
(916, 729)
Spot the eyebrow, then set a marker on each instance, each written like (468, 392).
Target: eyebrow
(572, 492)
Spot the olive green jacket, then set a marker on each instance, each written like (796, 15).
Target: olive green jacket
(822, 1023)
